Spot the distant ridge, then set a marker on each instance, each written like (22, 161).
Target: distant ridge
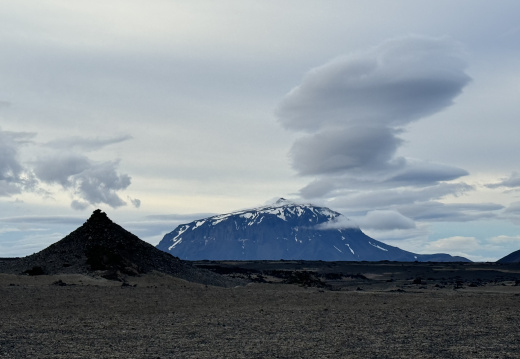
(102, 247)
(284, 230)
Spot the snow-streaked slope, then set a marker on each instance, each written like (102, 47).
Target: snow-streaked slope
(283, 230)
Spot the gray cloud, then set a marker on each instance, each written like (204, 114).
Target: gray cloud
(85, 144)
(434, 211)
(92, 182)
(398, 173)
(352, 112)
(79, 205)
(135, 202)
(61, 168)
(14, 177)
(425, 173)
(88, 181)
(333, 151)
(512, 181)
(179, 217)
(386, 198)
(43, 219)
(392, 84)
(355, 106)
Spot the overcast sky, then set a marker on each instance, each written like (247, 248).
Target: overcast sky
(401, 115)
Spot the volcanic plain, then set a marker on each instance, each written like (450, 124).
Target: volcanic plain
(279, 309)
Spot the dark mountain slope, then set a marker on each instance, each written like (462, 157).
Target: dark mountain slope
(513, 257)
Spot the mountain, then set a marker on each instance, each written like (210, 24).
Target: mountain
(104, 248)
(283, 230)
(513, 257)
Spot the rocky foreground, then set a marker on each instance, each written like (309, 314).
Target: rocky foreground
(385, 310)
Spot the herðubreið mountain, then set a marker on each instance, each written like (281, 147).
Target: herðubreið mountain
(283, 230)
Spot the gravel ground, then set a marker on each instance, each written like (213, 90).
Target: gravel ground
(164, 317)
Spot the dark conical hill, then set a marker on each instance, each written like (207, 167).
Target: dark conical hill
(513, 257)
(103, 247)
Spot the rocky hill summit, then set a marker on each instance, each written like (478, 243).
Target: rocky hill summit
(284, 230)
(104, 248)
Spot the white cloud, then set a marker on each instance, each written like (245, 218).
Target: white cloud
(385, 220)
(455, 243)
(340, 222)
(503, 239)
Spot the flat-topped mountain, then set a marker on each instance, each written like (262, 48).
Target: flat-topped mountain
(101, 246)
(283, 230)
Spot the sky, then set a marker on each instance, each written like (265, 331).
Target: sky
(403, 116)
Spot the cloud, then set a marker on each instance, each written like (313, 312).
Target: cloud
(435, 211)
(339, 222)
(354, 107)
(14, 177)
(503, 239)
(85, 144)
(392, 84)
(184, 218)
(381, 198)
(425, 173)
(385, 220)
(335, 151)
(88, 181)
(135, 202)
(61, 168)
(401, 180)
(79, 205)
(456, 243)
(512, 181)
(93, 182)
(513, 208)
(351, 112)
(42, 219)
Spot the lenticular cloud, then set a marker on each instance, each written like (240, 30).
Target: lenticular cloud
(393, 84)
(352, 109)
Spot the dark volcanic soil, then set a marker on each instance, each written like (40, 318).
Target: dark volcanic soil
(365, 316)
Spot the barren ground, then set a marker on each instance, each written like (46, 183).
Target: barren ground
(385, 315)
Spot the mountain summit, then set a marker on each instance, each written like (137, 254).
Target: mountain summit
(283, 230)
